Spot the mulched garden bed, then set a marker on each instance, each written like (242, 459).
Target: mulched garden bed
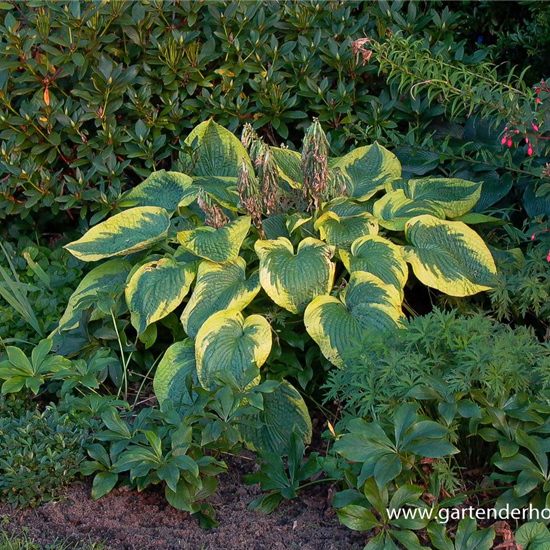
(129, 520)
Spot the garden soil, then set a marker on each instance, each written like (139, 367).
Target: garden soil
(129, 520)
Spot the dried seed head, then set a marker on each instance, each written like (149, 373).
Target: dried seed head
(268, 178)
(213, 214)
(249, 195)
(315, 164)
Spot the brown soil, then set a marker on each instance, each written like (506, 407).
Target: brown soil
(128, 520)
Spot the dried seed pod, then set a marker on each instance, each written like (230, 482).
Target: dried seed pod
(315, 164)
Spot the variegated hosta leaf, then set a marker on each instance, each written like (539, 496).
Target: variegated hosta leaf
(156, 289)
(131, 230)
(228, 342)
(342, 231)
(274, 226)
(216, 245)
(345, 207)
(395, 209)
(109, 276)
(297, 220)
(173, 371)
(285, 413)
(366, 305)
(167, 190)
(380, 257)
(289, 166)
(218, 287)
(293, 280)
(449, 256)
(220, 153)
(367, 170)
(452, 196)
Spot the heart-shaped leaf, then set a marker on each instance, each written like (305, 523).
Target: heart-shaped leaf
(131, 230)
(284, 413)
(380, 257)
(173, 371)
(218, 287)
(228, 342)
(366, 305)
(342, 231)
(156, 289)
(367, 170)
(164, 189)
(220, 155)
(449, 256)
(293, 280)
(452, 196)
(395, 209)
(216, 245)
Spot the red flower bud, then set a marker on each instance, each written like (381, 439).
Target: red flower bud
(509, 143)
(503, 140)
(530, 151)
(548, 257)
(533, 236)
(535, 127)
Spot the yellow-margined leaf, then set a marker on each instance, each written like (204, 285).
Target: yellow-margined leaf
(131, 230)
(227, 342)
(285, 413)
(379, 256)
(342, 231)
(216, 245)
(167, 190)
(395, 209)
(291, 279)
(367, 170)
(110, 275)
(366, 305)
(449, 256)
(218, 287)
(175, 368)
(156, 289)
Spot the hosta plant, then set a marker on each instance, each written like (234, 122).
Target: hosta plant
(276, 262)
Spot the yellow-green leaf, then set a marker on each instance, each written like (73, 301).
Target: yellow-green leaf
(220, 154)
(367, 305)
(110, 275)
(218, 287)
(216, 245)
(291, 279)
(367, 170)
(156, 289)
(227, 342)
(395, 209)
(173, 372)
(341, 231)
(379, 256)
(167, 190)
(131, 230)
(449, 256)
(285, 413)
(452, 196)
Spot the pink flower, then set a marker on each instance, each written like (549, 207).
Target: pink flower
(548, 257)
(533, 236)
(530, 150)
(535, 127)
(503, 140)
(509, 143)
